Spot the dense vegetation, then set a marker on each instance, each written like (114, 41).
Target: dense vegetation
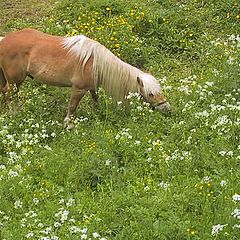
(130, 173)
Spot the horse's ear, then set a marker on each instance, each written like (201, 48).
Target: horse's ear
(140, 82)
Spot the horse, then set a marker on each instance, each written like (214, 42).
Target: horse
(77, 62)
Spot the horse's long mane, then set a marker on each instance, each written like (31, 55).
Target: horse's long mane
(116, 77)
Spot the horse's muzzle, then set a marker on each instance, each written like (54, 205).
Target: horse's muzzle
(164, 107)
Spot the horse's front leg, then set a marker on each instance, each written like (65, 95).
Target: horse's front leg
(76, 96)
(94, 97)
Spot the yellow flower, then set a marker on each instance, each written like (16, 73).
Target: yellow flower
(238, 16)
(193, 232)
(108, 8)
(117, 45)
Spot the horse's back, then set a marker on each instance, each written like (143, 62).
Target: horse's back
(21, 44)
(22, 38)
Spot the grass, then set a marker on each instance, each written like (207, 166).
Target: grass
(22, 13)
(129, 173)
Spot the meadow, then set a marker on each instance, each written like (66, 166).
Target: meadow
(129, 172)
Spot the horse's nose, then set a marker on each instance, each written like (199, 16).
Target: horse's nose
(164, 108)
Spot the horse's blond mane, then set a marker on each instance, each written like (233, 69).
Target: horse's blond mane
(116, 77)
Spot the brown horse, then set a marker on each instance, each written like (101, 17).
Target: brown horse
(77, 62)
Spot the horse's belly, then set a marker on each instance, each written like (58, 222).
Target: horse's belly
(53, 80)
(51, 76)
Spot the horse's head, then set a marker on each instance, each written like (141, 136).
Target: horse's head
(152, 93)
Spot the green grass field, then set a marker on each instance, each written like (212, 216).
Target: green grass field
(129, 172)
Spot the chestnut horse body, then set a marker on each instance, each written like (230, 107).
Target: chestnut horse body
(77, 62)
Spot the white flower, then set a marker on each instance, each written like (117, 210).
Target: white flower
(149, 159)
(31, 214)
(84, 236)
(222, 153)
(223, 183)
(71, 201)
(107, 163)
(146, 188)
(207, 179)
(236, 197)
(29, 235)
(57, 224)
(74, 229)
(137, 142)
(35, 200)
(217, 228)
(230, 153)
(12, 154)
(63, 214)
(164, 185)
(54, 238)
(46, 231)
(236, 213)
(96, 235)
(47, 147)
(40, 225)
(12, 173)
(84, 230)
(53, 134)
(72, 220)
(230, 61)
(18, 204)
(2, 167)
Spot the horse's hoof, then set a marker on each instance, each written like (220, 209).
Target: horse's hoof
(69, 126)
(14, 113)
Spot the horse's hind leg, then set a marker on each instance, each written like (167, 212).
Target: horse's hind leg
(76, 96)
(14, 79)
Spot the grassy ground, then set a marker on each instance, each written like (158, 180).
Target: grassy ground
(16, 14)
(129, 174)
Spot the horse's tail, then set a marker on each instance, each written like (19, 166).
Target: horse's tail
(2, 77)
(2, 81)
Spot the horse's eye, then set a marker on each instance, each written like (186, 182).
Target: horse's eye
(150, 94)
